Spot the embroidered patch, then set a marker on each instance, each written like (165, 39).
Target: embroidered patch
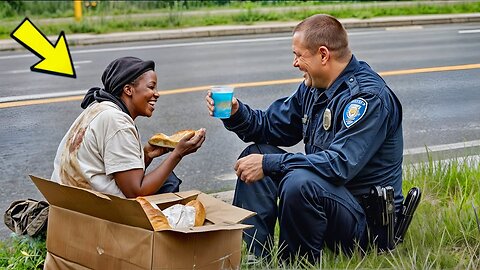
(354, 111)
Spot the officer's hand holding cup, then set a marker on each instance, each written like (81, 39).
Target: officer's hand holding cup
(220, 101)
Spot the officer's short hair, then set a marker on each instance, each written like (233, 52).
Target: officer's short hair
(324, 30)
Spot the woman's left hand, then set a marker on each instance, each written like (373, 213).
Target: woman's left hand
(152, 151)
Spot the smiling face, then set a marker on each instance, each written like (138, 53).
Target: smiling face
(142, 94)
(320, 48)
(310, 63)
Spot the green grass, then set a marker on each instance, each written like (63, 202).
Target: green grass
(444, 233)
(22, 253)
(104, 18)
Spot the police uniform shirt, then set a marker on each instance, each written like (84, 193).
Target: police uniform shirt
(352, 131)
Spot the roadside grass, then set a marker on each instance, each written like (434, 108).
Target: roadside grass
(444, 233)
(120, 18)
(22, 253)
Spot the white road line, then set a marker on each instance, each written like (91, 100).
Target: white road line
(226, 177)
(42, 96)
(17, 56)
(24, 71)
(76, 63)
(82, 62)
(472, 31)
(16, 71)
(442, 147)
(174, 45)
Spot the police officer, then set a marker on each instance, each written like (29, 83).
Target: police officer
(351, 124)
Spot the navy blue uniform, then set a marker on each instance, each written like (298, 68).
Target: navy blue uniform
(353, 140)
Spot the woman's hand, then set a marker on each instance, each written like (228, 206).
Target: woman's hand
(153, 151)
(190, 143)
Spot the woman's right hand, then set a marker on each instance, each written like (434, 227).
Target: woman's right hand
(190, 143)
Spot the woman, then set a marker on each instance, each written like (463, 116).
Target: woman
(102, 150)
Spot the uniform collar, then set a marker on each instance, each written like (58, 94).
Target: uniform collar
(352, 66)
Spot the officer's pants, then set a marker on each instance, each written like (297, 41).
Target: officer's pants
(311, 212)
(172, 184)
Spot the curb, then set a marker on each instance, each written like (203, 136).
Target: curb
(228, 30)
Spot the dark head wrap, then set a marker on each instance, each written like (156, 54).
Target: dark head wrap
(117, 74)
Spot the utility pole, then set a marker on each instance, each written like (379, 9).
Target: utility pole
(77, 10)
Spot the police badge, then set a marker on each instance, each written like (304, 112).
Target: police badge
(327, 119)
(354, 111)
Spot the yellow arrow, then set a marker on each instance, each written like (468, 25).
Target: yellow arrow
(56, 59)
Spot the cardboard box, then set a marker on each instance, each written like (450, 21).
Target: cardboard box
(92, 230)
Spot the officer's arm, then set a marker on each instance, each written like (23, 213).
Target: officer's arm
(279, 125)
(349, 151)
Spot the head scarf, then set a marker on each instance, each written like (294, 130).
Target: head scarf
(117, 74)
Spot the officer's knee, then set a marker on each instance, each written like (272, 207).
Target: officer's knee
(251, 149)
(298, 184)
(260, 149)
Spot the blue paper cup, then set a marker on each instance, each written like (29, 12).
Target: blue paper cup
(222, 98)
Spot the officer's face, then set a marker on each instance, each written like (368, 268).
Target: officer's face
(306, 62)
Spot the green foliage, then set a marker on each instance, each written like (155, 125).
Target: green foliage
(116, 16)
(217, 20)
(22, 253)
(11, 8)
(456, 179)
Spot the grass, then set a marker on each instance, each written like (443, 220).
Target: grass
(444, 234)
(105, 19)
(22, 253)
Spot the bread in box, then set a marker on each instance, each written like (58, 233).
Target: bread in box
(159, 221)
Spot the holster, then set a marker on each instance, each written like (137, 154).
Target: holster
(379, 207)
(385, 230)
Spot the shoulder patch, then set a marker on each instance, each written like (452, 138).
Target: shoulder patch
(354, 111)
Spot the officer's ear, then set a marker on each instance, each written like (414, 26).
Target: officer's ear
(324, 54)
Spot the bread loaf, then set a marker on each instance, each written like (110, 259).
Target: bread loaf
(200, 213)
(171, 141)
(155, 216)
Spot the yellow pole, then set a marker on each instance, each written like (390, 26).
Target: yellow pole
(77, 10)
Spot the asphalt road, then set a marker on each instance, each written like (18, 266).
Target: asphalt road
(441, 105)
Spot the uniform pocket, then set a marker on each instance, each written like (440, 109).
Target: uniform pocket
(323, 138)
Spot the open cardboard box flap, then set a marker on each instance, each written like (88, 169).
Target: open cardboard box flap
(130, 212)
